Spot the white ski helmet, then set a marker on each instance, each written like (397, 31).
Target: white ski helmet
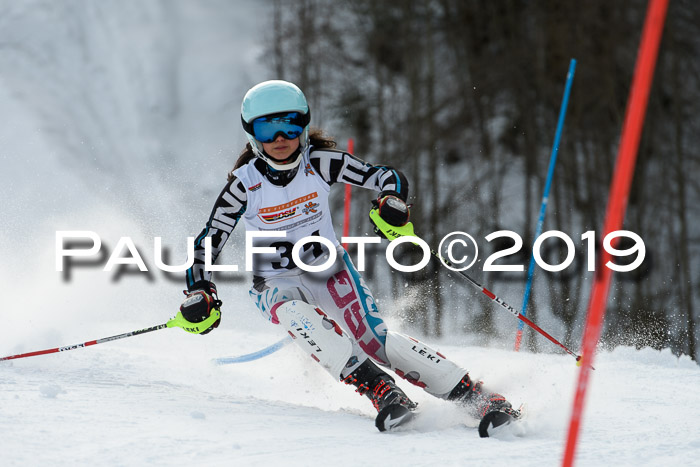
(288, 114)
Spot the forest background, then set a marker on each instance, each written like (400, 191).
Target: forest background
(463, 97)
(122, 117)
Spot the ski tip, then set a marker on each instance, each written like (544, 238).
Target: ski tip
(494, 422)
(392, 417)
(491, 421)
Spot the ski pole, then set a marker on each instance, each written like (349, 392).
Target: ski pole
(88, 343)
(509, 308)
(254, 355)
(177, 321)
(392, 233)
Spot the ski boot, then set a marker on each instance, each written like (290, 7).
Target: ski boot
(393, 405)
(492, 409)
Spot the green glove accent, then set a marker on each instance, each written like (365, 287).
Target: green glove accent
(194, 328)
(391, 232)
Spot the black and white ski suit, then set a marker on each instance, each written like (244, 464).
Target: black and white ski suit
(297, 209)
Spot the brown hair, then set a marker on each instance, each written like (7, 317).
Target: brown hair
(317, 138)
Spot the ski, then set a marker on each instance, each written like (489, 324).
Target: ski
(497, 420)
(493, 424)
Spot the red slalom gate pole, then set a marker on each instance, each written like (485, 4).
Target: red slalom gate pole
(617, 203)
(348, 198)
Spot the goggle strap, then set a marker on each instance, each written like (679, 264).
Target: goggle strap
(247, 127)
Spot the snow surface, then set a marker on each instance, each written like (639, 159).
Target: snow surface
(120, 117)
(158, 399)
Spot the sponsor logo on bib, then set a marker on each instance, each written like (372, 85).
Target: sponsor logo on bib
(294, 208)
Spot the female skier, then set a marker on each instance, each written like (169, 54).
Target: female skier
(279, 187)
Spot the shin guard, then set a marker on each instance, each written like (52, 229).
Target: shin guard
(422, 365)
(316, 334)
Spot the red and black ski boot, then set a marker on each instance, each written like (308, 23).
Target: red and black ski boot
(492, 409)
(393, 405)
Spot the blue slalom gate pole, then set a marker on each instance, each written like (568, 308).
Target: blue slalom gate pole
(545, 196)
(254, 355)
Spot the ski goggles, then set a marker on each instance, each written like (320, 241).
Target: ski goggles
(288, 124)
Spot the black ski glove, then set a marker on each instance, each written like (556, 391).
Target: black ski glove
(392, 209)
(200, 301)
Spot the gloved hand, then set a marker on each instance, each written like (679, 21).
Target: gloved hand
(201, 309)
(392, 211)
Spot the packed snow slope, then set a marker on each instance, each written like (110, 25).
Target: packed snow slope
(121, 118)
(158, 399)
